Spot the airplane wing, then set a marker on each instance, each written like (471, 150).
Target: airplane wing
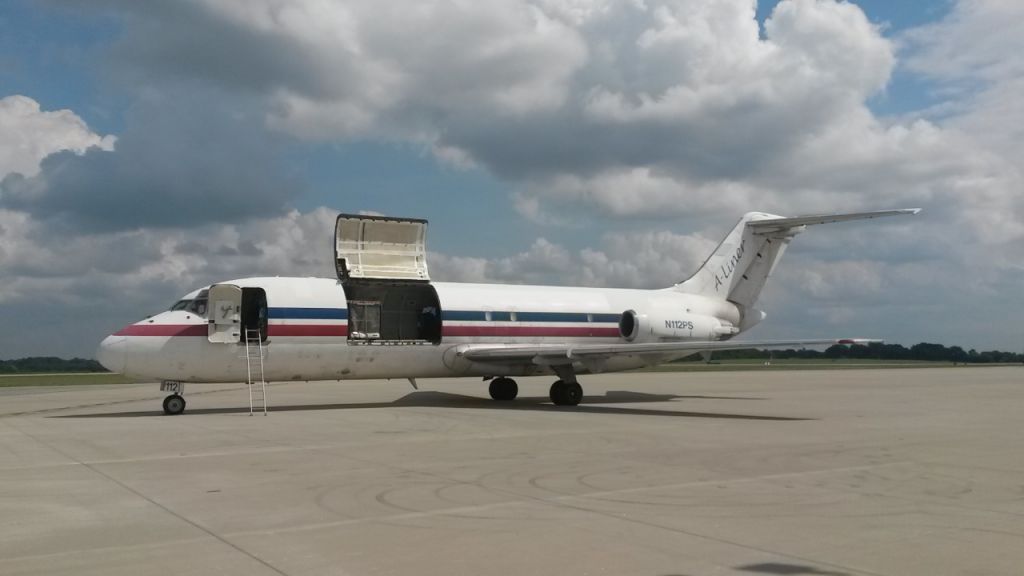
(556, 354)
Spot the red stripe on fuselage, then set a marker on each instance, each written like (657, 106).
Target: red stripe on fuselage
(203, 330)
(163, 330)
(342, 330)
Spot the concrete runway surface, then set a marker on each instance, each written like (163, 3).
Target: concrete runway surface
(827, 473)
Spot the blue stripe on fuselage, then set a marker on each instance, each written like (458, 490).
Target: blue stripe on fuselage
(480, 316)
(449, 315)
(308, 313)
(464, 315)
(551, 316)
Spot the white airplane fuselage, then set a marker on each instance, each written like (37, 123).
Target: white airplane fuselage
(383, 318)
(307, 332)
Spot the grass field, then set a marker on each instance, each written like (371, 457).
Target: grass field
(7, 380)
(799, 364)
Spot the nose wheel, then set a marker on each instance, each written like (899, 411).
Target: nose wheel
(503, 389)
(174, 405)
(566, 393)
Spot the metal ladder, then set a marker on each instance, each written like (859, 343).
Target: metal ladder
(254, 366)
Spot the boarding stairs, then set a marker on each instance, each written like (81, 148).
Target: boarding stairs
(254, 366)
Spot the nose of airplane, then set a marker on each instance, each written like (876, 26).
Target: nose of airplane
(111, 353)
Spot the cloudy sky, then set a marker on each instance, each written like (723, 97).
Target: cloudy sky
(148, 148)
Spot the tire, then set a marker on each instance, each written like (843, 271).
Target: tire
(566, 393)
(573, 394)
(174, 405)
(503, 389)
(557, 393)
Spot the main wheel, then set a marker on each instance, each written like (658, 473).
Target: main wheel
(573, 393)
(566, 393)
(174, 404)
(503, 389)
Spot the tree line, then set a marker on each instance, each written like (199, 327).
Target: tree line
(878, 351)
(37, 364)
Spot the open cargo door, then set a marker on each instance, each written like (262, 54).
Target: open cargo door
(380, 248)
(382, 265)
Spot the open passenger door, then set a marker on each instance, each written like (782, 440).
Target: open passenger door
(225, 313)
(382, 265)
(232, 310)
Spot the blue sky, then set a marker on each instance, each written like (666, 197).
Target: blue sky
(542, 160)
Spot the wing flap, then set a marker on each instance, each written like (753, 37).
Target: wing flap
(551, 355)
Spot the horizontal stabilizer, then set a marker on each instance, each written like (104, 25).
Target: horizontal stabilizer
(776, 224)
(739, 268)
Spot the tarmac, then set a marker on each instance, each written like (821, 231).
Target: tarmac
(826, 473)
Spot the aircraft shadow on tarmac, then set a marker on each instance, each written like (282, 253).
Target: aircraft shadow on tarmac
(788, 569)
(426, 398)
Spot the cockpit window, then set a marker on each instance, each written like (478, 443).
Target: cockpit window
(196, 306)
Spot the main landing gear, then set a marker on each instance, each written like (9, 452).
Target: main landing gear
(504, 389)
(566, 393)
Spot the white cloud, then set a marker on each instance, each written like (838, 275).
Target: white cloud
(178, 260)
(976, 56)
(180, 161)
(978, 40)
(639, 191)
(28, 134)
(839, 281)
(624, 260)
(666, 108)
(595, 110)
(362, 68)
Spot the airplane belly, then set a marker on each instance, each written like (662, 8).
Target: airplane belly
(297, 361)
(188, 359)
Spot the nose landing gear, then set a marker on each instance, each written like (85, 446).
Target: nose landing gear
(174, 405)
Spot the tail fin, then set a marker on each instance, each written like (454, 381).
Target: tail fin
(738, 269)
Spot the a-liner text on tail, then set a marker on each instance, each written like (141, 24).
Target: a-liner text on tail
(738, 269)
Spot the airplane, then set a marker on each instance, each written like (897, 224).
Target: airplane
(382, 317)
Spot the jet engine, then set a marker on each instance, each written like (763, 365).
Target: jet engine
(668, 325)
